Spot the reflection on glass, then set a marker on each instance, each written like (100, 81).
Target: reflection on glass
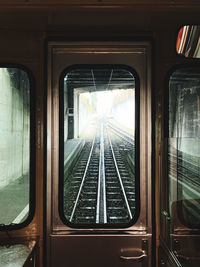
(184, 145)
(14, 145)
(188, 41)
(99, 146)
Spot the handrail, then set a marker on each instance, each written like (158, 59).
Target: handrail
(135, 258)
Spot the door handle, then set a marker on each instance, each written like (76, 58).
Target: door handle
(137, 258)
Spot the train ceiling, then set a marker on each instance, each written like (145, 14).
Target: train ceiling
(94, 79)
(100, 79)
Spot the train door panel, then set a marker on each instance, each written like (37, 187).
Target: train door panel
(99, 154)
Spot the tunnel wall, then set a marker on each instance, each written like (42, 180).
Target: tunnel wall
(124, 113)
(14, 125)
(65, 112)
(184, 116)
(86, 114)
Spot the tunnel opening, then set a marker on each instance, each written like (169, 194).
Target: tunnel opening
(99, 121)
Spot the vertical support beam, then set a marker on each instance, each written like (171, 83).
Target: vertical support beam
(70, 112)
(76, 113)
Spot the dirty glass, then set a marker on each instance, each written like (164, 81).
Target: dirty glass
(14, 145)
(98, 178)
(184, 147)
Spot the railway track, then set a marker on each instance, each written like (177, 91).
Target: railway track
(100, 188)
(187, 171)
(186, 175)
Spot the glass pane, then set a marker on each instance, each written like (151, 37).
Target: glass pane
(99, 146)
(14, 145)
(184, 146)
(188, 41)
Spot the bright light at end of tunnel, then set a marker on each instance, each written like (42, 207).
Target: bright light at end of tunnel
(117, 105)
(105, 103)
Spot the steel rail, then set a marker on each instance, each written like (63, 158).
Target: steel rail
(120, 179)
(183, 175)
(185, 161)
(101, 212)
(121, 134)
(83, 180)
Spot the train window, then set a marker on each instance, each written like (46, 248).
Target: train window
(188, 41)
(98, 177)
(15, 206)
(184, 145)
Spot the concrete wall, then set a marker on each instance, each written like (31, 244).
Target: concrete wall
(124, 114)
(86, 115)
(65, 112)
(184, 117)
(14, 125)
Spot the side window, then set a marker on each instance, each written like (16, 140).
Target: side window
(184, 146)
(98, 143)
(16, 159)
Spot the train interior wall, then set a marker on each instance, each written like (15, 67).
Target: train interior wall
(25, 32)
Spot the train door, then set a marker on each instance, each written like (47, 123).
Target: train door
(99, 209)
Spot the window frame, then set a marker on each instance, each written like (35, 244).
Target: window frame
(61, 147)
(195, 64)
(32, 148)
